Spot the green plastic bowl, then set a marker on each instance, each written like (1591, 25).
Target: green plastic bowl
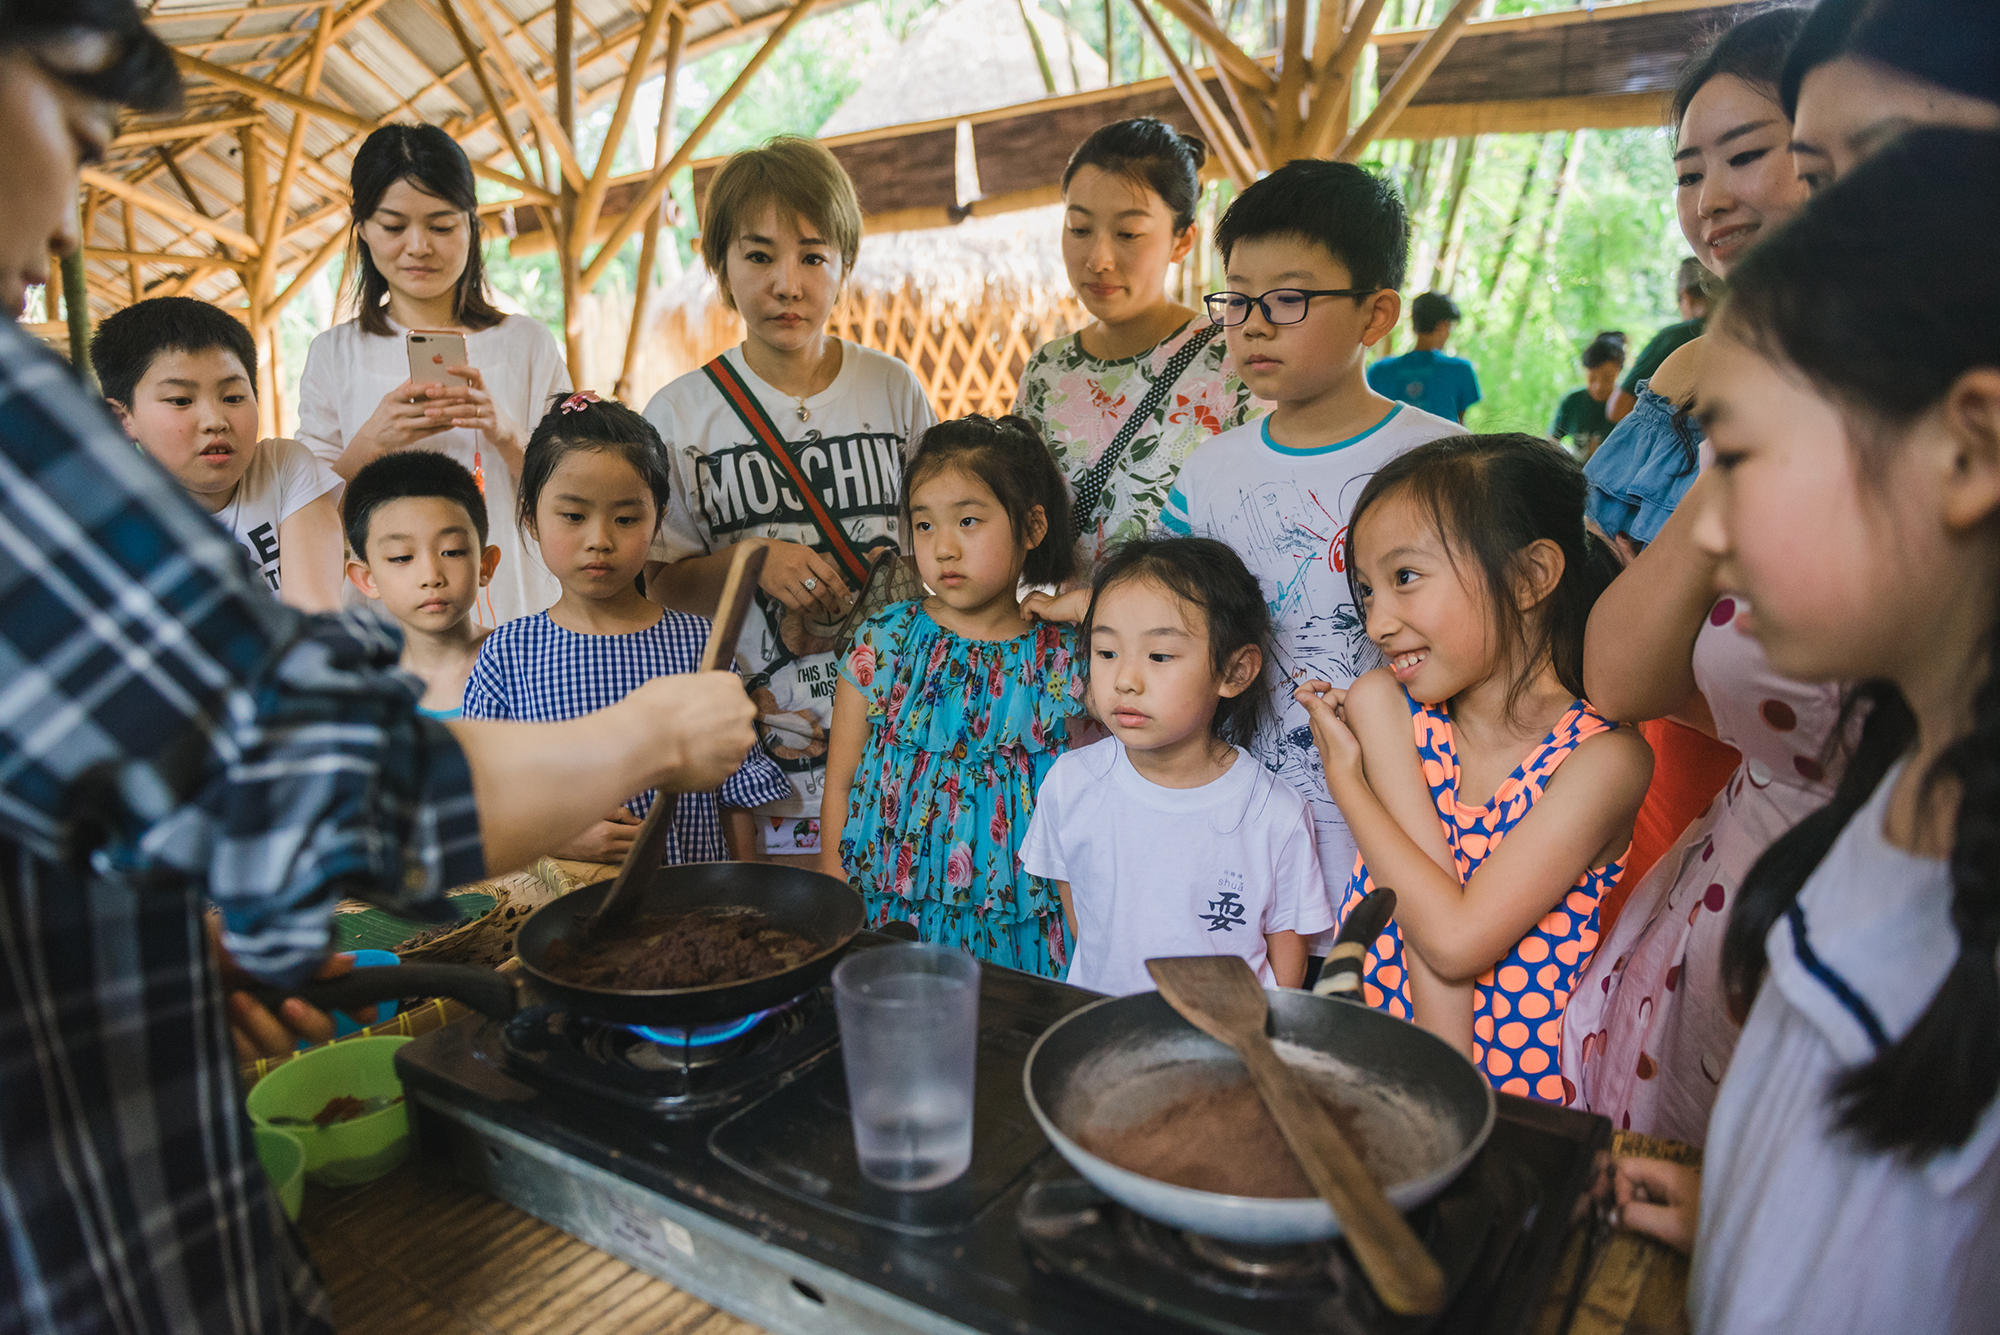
(345, 1153)
(284, 1162)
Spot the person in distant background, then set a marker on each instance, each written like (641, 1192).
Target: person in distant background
(1691, 290)
(1425, 377)
(1581, 419)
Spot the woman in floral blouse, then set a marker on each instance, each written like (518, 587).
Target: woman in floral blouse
(1129, 195)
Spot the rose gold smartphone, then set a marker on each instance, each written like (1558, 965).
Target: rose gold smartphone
(431, 350)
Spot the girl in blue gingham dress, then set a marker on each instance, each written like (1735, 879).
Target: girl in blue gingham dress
(593, 485)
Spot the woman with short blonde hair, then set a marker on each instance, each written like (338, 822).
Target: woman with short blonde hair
(794, 439)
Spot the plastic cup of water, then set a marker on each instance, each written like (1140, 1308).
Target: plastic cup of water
(909, 1033)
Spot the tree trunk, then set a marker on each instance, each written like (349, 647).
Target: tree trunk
(1572, 158)
(1445, 266)
(1514, 223)
(569, 246)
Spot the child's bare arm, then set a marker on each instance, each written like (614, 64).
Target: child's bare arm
(1287, 953)
(1583, 819)
(844, 743)
(309, 557)
(739, 834)
(1379, 714)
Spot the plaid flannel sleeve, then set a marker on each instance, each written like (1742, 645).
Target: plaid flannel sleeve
(159, 708)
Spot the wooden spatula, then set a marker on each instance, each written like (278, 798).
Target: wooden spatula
(1219, 995)
(621, 904)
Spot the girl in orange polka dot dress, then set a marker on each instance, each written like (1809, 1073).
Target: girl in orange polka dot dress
(1476, 780)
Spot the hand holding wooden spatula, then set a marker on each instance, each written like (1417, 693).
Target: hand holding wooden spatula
(1219, 995)
(650, 844)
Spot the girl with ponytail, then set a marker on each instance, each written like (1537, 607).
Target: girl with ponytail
(1852, 1181)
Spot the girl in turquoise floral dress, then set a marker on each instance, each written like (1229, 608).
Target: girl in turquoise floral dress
(950, 709)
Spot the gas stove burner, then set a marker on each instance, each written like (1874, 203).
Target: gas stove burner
(669, 1071)
(1238, 1269)
(1308, 1265)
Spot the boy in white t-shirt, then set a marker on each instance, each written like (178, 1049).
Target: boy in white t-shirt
(1313, 255)
(1167, 838)
(416, 524)
(182, 377)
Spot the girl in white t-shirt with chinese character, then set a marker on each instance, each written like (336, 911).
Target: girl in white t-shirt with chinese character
(1167, 837)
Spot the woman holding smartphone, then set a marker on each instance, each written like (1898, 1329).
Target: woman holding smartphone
(368, 389)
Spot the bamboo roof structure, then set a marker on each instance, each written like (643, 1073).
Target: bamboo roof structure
(241, 197)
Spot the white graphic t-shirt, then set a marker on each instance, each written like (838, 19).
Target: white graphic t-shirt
(1285, 512)
(1173, 871)
(282, 479)
(858, 433)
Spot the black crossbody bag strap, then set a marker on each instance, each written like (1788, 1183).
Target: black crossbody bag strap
(1090, 487)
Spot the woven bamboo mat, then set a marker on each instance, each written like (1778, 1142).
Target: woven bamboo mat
(417, 1251)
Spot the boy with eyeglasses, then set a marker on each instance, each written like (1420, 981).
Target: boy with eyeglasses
(1313, 255)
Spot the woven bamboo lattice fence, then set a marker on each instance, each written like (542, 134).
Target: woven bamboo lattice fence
(965, 307)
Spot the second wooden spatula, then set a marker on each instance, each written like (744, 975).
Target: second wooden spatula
(1219, 995)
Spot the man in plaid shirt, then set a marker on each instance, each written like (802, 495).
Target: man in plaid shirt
(172, 738)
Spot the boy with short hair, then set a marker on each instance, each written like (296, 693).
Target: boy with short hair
(416, 525)
(181, 375)
(1580, 419)
(1426, 376)
(1313, 254)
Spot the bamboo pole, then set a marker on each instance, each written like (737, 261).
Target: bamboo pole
(525, 93)
(1408, 80)
(1236, 159)
(167, 208)
(484, 79)
(1330, 95)
(145, 257)
(1572, 159)
(649, 241)
(1253, 113)
(1444, 267)
(318, 260)
(1195, 17)
(1291, 82)
(1514, 223)
(1041, 53)
(131, 247)
(572, 243)
(591, 202)
(1110, 44)
(173, 134)
(649, 198)
(295, 143)
(76, 312)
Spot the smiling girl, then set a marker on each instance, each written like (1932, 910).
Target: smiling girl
(1129, 197)
(1478, 784)
(781, 229)
(951, 708)
(416, 264)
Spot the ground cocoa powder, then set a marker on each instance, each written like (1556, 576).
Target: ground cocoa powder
(1220, 1140)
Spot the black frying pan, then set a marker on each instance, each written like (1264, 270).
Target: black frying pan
(820, 908)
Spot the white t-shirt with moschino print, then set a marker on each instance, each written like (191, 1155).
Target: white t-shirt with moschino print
(851, 447)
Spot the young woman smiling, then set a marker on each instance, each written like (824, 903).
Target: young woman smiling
(415, 264)
(1129, 195)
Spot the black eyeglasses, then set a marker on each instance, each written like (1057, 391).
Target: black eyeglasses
(1281, 305)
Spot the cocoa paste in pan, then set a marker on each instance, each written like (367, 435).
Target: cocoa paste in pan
(699, 949)
(1221, 1139)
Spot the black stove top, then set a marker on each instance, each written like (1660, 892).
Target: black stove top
(728, 1167)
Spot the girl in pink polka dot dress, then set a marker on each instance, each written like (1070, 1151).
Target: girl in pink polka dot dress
(1476, 781)
(1649, 1033)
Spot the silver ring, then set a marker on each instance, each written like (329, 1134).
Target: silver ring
(810, 583)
